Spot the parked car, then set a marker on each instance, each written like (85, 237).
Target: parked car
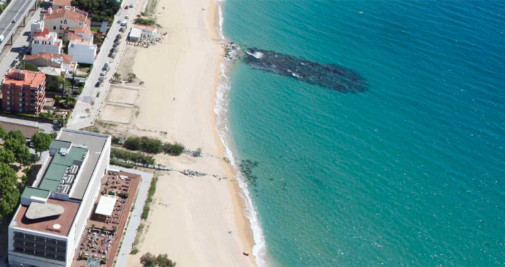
(131, 5)
(101, 79)
(118, 36)
(2, 37)
(106, 66)
(126, 17)
(115, 44)
(112, 50)
(102, 73)
(122, 29)
(97, 84)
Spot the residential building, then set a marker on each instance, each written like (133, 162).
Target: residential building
(46, 42)
(61, 3)
(63, 64)
(147, 31)
(81, 47)
(37, 26)
(23, 91)
(64, 19)
(51, 218)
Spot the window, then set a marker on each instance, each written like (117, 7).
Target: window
(65, 22)
(54, 27)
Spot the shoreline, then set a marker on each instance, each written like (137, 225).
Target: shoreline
(240, 208)
(239, 205)
(244, 208)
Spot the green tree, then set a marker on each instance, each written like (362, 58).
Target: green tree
(6, 156)
(9, 194)
(41, 141)
(20, 150)
(18, 135)
(133, 143)
(148, 260)
(164, 261)
(2, 132)
(151, 145)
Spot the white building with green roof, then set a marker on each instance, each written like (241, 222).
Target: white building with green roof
(51, 218)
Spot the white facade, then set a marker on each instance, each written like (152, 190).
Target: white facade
(48, 43)
(37, 26)
(82, 51)
(67, 18)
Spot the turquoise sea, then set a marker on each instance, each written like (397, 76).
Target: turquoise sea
(409, 172)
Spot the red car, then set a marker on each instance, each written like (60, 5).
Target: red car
(126, 7)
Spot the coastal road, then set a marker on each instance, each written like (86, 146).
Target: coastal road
(12, 17)
(91, 99)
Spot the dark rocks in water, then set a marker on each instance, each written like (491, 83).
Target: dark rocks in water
(246, 168)
(330, 76)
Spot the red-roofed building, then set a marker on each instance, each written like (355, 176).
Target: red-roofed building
(23, 91)
(61, 3)
(63, 19)
(62, 62)
(81, 46)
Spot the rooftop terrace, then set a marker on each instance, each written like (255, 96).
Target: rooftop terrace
(59, 224)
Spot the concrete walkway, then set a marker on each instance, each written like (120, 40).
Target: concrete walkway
(133, 224)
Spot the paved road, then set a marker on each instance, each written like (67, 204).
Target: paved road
(134, 222)
(15, 11)
(17, 49)
(91, 99)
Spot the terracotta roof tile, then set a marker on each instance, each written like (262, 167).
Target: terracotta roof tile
(66, 13)
(83, 30)
(67, 59)
(24, 77)
(44, 32)
(62, 2)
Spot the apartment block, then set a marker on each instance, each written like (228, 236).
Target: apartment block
(23, 91)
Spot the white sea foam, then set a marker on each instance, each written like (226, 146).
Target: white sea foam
(221, 110)
(257, 55)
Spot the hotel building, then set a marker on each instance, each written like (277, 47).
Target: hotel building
(52, 216)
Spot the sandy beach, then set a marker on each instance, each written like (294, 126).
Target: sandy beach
(197, 221)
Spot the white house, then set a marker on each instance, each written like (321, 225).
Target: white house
(83, 51)
(64, 19)
(37, 26)
(46, 42)
(146, 30)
